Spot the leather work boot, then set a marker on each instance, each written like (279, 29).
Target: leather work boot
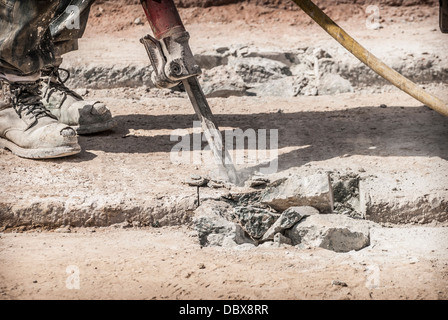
(27, 128)
(85, 117)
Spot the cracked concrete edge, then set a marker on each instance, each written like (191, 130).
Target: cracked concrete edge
(420, 209)
(377, 204)
(54, 213)
(93, 76)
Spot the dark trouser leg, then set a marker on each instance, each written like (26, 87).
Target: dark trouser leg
(34, 33)
(444, 16)
(68, 25)
(25, 40)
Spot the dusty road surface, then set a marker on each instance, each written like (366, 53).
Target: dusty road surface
(115, 222)
(167, 263)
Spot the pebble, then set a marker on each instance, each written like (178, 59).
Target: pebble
(197, 183)
(339, 283)
(63, 229)
(258, 182)
(215, 185)
(413, 260)
(138, 21)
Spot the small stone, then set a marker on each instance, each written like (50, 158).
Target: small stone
(136, 224)
(34, 281)
(383, 106)
(195, 177)
(197, 183)
(201, 266)
(281, 239)
(258, 182)
(215, 185)
(138, 22)
(413, 260)
(339, 283)
(63, 229)
(222, 49)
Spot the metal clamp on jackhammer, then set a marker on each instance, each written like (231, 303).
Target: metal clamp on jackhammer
(170, 53)
(171, 59)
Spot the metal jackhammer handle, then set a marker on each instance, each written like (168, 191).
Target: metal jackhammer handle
(369, 59)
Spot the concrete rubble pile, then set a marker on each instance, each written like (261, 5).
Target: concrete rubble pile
(242, 70)
(310, 211)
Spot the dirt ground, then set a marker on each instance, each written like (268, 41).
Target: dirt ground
(167, 263)
(127, 172)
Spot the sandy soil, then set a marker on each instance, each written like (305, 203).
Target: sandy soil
(130, 168)
(167, 263)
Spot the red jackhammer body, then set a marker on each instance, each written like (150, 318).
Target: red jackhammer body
(163, 17)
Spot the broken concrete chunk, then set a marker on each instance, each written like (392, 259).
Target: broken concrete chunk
(214, 229)
(281, 239)
(285, 87)
(212, 208)
(255, 221)
(258, 70)
(346, 195)
(331, 84)
(210, 60)
(331, 231)
(257, 182)
(297, 191)
(288, 219)
(222, 82)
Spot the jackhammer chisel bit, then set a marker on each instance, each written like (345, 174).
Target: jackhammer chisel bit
(173, 63)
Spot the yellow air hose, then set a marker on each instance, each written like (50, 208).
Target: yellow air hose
(369, 59)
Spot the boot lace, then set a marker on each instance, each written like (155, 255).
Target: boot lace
(56, 84)
(26, 100)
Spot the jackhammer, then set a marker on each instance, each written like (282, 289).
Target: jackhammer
(173, 62)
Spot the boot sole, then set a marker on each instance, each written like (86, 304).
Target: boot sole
(95, 127)
(43, 153)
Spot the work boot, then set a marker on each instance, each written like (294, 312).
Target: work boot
(27, 128)
(85, 117)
